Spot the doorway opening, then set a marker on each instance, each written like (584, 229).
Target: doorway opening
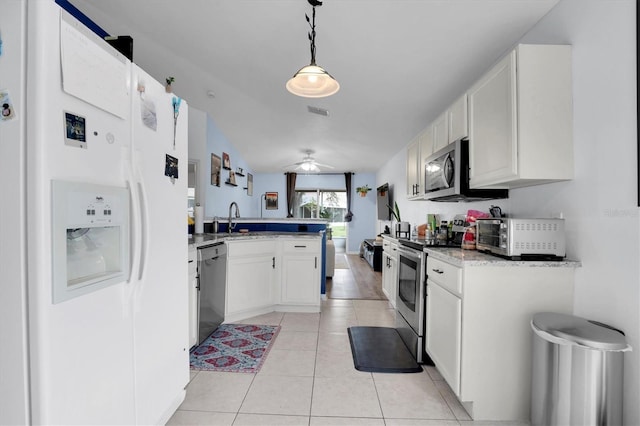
(192, 188)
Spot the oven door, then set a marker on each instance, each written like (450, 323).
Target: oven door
(410, 295)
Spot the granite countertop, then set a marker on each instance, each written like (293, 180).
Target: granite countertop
(462, 258)
(224, 219)
(197, 240)
(389, 237)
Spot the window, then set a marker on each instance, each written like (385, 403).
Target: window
(330, 205)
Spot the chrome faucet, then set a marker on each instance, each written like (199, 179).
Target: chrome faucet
(231, 224)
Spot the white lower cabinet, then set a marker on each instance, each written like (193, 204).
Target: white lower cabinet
(272, 274)
(300, 274)
(478, 329)
(251, 271)
(193, 297)
(444, 325)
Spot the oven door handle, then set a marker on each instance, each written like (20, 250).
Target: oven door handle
(411, 254)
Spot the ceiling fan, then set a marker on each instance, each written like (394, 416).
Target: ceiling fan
(308, 163)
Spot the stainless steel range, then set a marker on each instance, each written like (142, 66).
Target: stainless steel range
(411, 298)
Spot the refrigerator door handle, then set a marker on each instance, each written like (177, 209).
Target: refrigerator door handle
(144, 232)
(134, 218)
(132, 232)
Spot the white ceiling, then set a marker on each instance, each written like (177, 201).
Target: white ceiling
(399, 64)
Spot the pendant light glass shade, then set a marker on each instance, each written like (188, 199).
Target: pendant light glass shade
(312, 81)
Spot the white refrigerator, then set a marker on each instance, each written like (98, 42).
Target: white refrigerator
(107, 351)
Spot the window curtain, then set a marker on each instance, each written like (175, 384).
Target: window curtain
(347, 181)
(291, 192)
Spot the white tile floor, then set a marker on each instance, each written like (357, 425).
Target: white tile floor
(308, 378)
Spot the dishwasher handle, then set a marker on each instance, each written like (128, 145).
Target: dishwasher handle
(212, 259)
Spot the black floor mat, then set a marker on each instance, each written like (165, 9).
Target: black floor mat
(380, 350)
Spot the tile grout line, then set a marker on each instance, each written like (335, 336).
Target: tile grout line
(315, 366)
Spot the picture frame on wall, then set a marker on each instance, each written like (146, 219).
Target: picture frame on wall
(249, 184)
(226, 161)
(232, 178)
(271, 200)
(216, 165)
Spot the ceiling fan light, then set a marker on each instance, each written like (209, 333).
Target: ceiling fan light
(309, 166)
(306, 166)
(312, 81)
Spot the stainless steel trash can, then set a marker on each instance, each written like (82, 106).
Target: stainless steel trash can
(577, 371)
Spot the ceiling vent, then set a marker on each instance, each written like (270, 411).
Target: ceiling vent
(319, 111)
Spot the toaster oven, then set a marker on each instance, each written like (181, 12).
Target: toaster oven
(522, 239)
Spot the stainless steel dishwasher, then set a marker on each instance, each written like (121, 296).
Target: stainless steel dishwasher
(212, 275)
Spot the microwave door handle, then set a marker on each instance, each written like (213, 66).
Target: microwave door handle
(447, 168)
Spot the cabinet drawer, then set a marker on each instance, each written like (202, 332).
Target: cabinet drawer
(389, 247)
(302, 245)
(250, 248)
(445, 274)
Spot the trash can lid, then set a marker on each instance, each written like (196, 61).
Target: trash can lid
(580, 331)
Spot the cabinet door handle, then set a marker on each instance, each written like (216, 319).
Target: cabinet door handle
(438, 271)
(300, 246)
(315, 262)
(191, 261)
(273, 262)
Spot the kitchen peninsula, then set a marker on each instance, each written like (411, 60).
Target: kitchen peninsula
(275, 265)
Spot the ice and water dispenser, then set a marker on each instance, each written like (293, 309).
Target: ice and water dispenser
(90, 238)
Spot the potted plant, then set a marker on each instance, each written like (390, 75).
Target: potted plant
(402, 228)
(169, 80)
(363, 190)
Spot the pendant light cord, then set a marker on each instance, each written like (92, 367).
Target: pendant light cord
(312, 34)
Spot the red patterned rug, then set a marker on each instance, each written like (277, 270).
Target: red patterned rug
(240, 348)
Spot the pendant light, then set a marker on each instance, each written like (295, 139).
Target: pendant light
(312, 81)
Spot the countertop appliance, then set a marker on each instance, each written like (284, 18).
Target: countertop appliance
(212, 276)
(522, 239)
(446, 176)
(411, 299)
(116, 352)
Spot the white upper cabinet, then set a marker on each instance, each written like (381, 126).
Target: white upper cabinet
(520, 120)
(457, 119)
(414, 187)
(440, 132)
(426, 149)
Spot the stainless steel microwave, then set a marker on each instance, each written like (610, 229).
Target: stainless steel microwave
(446, 176)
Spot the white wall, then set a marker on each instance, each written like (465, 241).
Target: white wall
(198, 150)
(600, 204)
(205, 138)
